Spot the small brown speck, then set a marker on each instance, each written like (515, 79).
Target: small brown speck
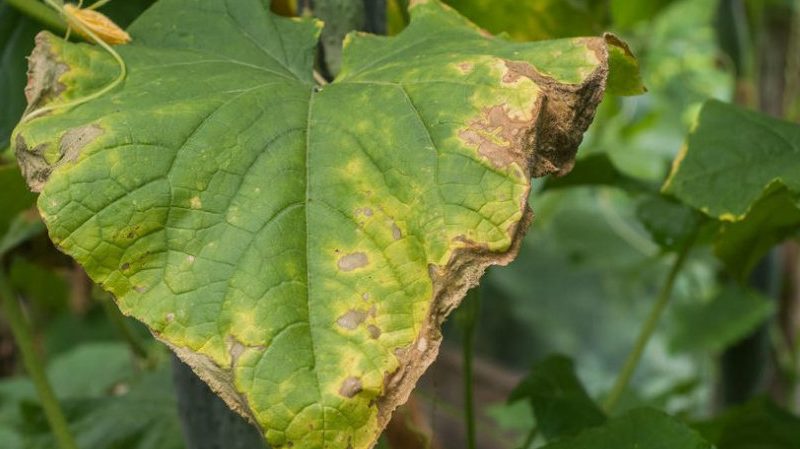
(374, 331)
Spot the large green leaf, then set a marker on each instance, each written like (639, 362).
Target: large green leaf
(637, 429)
(732, 156)
(742, 168)
(299, 245)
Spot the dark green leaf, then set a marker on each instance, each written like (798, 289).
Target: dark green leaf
(771, 219)
(670, 223)
(593, 170)
(729, 316)
(731, 158)
(16, 42)
(560, 403)
(637, 429)
(535, 19)
(626, 13)
(14, 195)
(759, 424)
(25, 226)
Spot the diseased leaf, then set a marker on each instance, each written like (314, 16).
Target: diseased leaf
(637, 429)
(732, 156)
(623, 69)
(560, 403)
(300, 245)
(729, 316)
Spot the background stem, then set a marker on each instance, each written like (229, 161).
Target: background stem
(647, 330)
(470, 309)
(22, 334)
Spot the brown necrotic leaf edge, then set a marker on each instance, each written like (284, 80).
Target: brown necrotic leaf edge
(545, 145)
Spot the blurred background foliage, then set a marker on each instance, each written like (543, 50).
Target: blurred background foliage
(585, 280)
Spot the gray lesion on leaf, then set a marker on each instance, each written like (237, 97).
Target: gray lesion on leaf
(44, 72)
(34, 163)
(350, 387)
(351, 319)
(353, 261)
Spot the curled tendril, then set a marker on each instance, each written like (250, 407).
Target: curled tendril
(87, 23)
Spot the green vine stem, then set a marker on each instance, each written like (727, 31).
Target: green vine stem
(469, 317)
(40, 12)
(22, 334)
(647, 330)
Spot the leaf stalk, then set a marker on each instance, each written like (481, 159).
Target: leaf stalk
(647, 330)
(23, 335)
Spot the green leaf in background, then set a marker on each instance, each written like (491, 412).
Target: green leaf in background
(770, 220)
(595, 169)
(24, 226)
(731, 158)
(110, 407)
(669, 222)
(560, 403)
(16, 42)
(759, 424)
(627, 13)
(536, 19)
(729, 316)
(14, 196)
(642, 428)
(299, 245)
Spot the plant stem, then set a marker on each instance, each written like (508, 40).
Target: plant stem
(470, 312)
(22, 334)
(39, 12)
(647, 330)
